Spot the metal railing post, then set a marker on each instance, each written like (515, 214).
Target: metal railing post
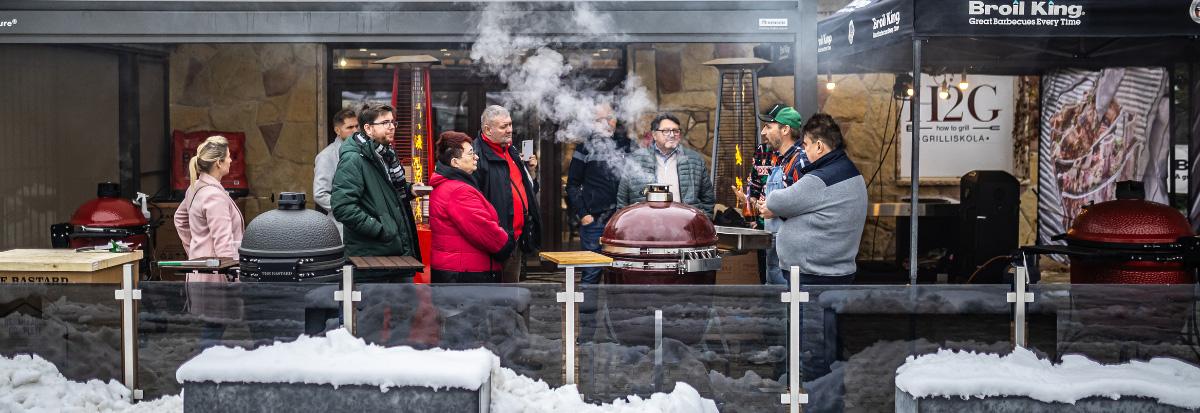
(569, 297)
(1020, 297)
(347, 304)
(127, 294)
(794, 297)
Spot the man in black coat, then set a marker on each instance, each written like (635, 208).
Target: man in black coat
(592, 180)
(505, 181)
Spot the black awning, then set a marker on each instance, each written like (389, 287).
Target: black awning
(1006, 36)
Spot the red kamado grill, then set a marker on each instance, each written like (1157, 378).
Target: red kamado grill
(1129, 241)
(106, 218)
(660, 242)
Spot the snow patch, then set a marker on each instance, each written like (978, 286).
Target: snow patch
(340, 359)
(968, 374)
(513, 393)
(29, 383)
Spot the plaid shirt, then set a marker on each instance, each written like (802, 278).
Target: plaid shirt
(792, 161)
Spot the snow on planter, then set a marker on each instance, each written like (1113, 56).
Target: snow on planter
(340, 372)
(29, 383)
(1167, 383)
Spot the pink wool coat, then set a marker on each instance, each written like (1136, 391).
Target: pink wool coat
(208, 221)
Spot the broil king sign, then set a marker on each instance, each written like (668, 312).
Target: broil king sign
(1025, 13)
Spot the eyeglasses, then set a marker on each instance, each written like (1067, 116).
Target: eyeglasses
(670, 132)
(386, 123)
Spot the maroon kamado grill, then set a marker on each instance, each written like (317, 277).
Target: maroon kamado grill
(660, 242)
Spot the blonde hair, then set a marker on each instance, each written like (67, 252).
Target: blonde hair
(208, 154)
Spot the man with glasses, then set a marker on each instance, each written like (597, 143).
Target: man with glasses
(824, 212)
(371, 194)
(345, 123)
(665, 161)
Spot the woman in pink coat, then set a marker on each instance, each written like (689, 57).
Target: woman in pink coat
(208, 221)
(469, 246)
(210, 225)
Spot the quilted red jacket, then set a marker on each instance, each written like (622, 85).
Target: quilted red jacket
(465, 227)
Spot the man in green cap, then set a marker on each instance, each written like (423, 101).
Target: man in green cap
(776, 168)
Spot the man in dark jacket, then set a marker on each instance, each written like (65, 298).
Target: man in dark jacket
(592, 183)
(505, 182)
(370, 193)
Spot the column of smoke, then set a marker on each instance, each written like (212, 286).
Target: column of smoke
(540, 81)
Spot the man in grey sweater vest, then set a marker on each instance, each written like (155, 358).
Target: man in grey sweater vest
(824, 212)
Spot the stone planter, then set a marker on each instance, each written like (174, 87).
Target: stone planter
(906, 403)
(322, 398)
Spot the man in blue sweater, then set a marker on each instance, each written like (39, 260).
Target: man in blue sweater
(823, 212)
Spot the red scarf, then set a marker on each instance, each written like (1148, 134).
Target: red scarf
(518, 185)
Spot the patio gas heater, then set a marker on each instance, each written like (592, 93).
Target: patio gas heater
(735, 134)
(414, 140)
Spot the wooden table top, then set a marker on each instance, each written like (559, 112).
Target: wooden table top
(387, 263)
(64, 259)
(576, 258)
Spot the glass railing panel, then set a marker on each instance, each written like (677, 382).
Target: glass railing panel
(75, 326)
(727, 342)
(854, 337)
(177, 320)
(521, 323)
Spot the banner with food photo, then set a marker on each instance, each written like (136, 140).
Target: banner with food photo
(1099, 128)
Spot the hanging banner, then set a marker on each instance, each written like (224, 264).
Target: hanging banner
(1097, 129)
(961, 130)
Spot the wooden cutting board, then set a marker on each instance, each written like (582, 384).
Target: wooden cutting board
(575, 258)
(67, 260)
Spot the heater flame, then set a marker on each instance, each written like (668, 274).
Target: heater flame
(737, 157)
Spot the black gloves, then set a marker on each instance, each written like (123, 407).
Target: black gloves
(506, 250)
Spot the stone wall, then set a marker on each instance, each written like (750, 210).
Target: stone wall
(860, 103)
(270, 92)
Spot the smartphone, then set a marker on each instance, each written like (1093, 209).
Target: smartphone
(527, 149)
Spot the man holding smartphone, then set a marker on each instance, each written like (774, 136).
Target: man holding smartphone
(506, 183)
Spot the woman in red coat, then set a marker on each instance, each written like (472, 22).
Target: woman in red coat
(468, 244)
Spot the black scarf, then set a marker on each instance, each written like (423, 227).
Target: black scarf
(390, 163)
(455, 174)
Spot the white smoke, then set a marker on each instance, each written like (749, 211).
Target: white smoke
(542, 82)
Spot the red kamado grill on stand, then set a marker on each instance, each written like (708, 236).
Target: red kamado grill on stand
(660, 242)
(108, 217)
(1129, 241)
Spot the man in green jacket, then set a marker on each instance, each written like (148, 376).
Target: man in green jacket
(665, 161)
(370, 192)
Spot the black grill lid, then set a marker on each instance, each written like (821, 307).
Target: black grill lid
(291, 232)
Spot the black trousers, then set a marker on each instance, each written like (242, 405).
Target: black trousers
(455, 277)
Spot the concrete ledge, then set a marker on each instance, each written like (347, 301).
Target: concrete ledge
(905, 403)
(316, 398)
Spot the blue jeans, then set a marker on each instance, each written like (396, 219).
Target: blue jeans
(775, 275)
(589, 239)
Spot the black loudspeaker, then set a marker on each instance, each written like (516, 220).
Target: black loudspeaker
(988, 225)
